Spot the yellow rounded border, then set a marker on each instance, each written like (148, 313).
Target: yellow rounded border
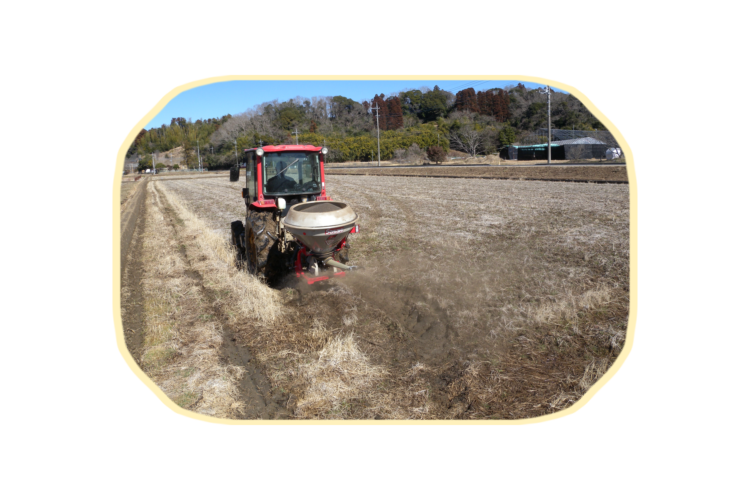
(683, 269)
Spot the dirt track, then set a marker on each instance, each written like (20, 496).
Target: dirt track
(133, 196)
(480, 298)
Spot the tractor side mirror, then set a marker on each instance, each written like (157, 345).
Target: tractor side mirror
(234, 174)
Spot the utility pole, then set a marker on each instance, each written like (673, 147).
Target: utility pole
(153, 164)
(237, 158)
(549, 125)
(377, 122)
(296, 135)
(548, 91)
(200, 165)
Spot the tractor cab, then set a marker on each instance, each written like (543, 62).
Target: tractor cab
(292, 172)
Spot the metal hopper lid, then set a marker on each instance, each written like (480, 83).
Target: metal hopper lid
(319, 214)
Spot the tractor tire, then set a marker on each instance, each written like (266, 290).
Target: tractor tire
(234, 174)
(238, 240)
(263, 256)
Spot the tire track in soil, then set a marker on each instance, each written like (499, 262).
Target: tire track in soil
(131, 294)
(260, 400)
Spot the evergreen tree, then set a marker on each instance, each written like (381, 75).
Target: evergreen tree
(434, 104)
(466, 100)
(506, 136)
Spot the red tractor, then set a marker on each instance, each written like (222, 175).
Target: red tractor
(291, 224)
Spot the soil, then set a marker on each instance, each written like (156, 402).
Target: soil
(611, 174)
(131, 205)
(132, 295)
(131, 265)
(452, 283)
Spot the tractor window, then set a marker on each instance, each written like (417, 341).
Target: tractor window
(250, 183)
(291, 173)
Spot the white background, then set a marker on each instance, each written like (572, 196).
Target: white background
(698, 47)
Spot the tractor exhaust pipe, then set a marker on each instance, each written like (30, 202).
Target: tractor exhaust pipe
(330, 262)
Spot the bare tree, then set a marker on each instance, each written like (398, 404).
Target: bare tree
(399, 156)
(467, 139)
(411, 121)
(489, 140)
(462, 116)
(415, 155)
(245, 124)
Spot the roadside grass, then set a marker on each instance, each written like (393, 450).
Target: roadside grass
(212, 257)
(180, 351)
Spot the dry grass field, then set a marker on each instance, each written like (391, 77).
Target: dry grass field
(477, 299)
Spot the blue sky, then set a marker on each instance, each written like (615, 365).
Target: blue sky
(218, 99)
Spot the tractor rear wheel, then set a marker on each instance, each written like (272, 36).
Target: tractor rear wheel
(263, 255)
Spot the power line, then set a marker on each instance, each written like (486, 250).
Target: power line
(471, 86)
(468, 85)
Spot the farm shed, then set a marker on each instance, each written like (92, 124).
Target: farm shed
(583, 148)
(539, 152)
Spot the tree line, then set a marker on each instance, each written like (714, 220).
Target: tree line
(468, 121)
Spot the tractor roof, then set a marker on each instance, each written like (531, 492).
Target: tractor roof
(288, 147)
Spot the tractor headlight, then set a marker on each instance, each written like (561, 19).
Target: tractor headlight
(259, 151)
(324, 151)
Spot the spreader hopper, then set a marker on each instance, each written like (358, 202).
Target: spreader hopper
(320, 225)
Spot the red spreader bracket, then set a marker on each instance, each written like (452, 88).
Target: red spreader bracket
(310, 279)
